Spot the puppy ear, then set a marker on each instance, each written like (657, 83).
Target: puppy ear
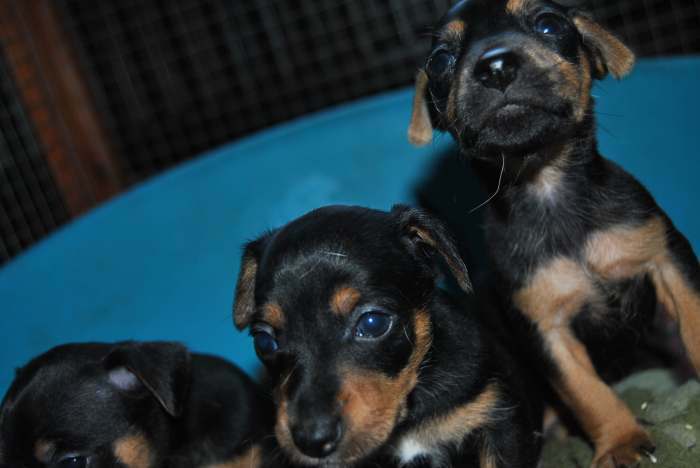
(244, 302)
(424, 234)
(609, 54)
(420, 130)
(162, 368)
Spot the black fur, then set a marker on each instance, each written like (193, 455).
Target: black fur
(193, 409)
(391, 259)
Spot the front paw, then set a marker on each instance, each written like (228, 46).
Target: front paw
(627, 453)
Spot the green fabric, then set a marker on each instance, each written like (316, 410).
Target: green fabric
(671, 413)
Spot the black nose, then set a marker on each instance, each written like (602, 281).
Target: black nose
(318, 437)
(497, 68)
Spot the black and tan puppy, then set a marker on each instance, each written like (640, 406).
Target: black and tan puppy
(372, 364)
(576, 239)
(131, 405)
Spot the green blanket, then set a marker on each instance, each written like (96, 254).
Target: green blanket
(670, 411)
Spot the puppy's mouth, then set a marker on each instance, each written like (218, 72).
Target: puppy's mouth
(513, 125)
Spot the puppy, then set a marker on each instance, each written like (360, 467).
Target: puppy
(372, 364)
(576, 240)
(132, 405)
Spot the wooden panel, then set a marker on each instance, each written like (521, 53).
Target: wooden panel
(59, 103)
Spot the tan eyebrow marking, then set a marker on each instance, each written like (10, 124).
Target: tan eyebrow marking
(273, 314)
(344, 300)
(515, 6)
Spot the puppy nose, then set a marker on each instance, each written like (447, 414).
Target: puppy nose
(497, 68)
(318, 437)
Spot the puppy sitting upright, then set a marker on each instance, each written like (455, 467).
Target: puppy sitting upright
(131, 405)
(576, 239)
(372, 364)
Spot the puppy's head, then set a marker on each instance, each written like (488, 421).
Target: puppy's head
(336, 303)
(512, 75)
(94, 406)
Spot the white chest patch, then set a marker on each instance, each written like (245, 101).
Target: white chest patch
(409, 449)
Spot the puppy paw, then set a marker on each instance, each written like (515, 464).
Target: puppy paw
(627, 453)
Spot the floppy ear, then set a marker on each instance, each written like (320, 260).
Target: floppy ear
(609, 54)
(426, 236)
(244, 302)
(420, 130)
(161, 368)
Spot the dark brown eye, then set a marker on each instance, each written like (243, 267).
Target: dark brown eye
(440, 63)
(550, 24)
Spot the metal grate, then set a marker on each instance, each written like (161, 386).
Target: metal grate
(653, 27)
(30, 205)
(178, 77)
(172, 78)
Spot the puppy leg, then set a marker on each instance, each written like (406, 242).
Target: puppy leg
(677, 279)
(654, 247)
(554, 296)
(619, 439)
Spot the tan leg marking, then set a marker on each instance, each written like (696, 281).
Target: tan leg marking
(252, 458)
(624, 252)
(44, 450)
(273, 314)
(552, 299)
(344, 300)
(682, 302)
(453, 427)
(134, 451)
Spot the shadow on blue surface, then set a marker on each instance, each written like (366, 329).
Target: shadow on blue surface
(160, 261)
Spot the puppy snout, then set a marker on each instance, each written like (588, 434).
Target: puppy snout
(318, 437)
(497, 68)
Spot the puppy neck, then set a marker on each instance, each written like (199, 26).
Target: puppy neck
(544, 174)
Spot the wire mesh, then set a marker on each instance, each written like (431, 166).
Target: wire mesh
(173, 78)
(30, 205)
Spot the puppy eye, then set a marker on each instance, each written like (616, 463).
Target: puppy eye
(264, 340)
(72, 461)
(440, 63)
(550, 24)
(372, 325)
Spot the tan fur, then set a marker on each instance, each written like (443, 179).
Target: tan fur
(623, 251)
(420, 130)
(487, 459)
(618, 59)
(454, 30)
(44, 450)
(516, 7)
(252, 458)
(555, 294)
(453, 427)
(273, 314)
(344, 300)
(244, 307)
(134, 451)
(682, 303)
(603, 416)
(584, 92)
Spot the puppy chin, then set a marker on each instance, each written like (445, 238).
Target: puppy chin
(516, 128)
